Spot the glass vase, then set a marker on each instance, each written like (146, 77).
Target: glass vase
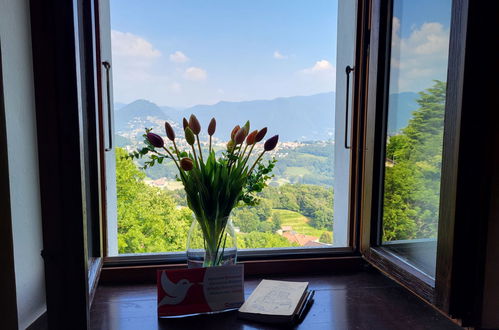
(213, 246)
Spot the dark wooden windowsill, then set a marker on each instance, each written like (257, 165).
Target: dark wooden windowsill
(344, 300)
(147, 273)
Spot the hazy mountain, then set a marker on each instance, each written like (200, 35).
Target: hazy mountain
(138, 114)
(400, 107)
(293, 118)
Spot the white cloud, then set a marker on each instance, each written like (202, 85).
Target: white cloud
(195, 74)
(322, 66)
(419, 58)
(279, 56)
(178, 57)
(130, 45)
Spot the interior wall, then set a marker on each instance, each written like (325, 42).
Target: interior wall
(22, 152)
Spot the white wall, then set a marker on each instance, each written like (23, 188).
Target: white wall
(15, 36)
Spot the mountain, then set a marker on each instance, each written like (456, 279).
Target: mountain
(400, 109)
(293, 118)
(297, 118)
(138, 114)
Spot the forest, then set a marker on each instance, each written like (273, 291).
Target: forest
(412, 178)
(151, 219)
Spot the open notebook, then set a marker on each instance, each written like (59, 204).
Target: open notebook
(277, 302)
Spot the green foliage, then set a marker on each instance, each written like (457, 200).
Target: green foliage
(326, 237)
(148, 220)
(276, 222)
(255, 240)
(297, 221)
(314, 202)
(412, 183)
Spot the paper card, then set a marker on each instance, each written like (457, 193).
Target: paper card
(200, 290)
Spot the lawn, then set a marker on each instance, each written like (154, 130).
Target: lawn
(298, 222)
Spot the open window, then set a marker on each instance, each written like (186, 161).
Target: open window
(375, 163)
(285, 70)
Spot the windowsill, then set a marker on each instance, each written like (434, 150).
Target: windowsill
(353, 300)
(243, 255)
(112, 274)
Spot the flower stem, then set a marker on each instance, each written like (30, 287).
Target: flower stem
(176, 150)
(174, 160)
(199, 147)
(195, 156)
(256, 161)
(249, 153)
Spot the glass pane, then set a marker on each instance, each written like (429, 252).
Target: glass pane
(418, 71)
(270, 62)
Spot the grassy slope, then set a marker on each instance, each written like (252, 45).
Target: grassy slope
(298, 222)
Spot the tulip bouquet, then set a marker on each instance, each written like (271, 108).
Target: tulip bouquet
(213, 186)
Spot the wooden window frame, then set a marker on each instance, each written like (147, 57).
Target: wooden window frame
(268, 254)
(67, 106)
(457, 287)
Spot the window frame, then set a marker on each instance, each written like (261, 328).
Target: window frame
(56, 45)
(274, 253)
(456, 289)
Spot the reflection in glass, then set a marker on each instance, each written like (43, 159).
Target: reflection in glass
(418, 68)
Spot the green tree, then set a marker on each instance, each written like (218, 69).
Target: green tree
(412, 184)
(326, 237)
(256, 240)
(148, 220)
(276, 221)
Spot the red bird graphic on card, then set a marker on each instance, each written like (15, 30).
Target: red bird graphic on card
(200, 290)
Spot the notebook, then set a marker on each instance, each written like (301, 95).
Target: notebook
(277, 302)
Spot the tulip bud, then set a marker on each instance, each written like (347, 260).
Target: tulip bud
(212, 126)
(185, 123)
(234, 131)
(247, 126)
(155, 140)
(194, 125)
(189, 136)
(186, 164)
(250, 139)
(240, 135)
(261, 134)
(230, 145)
(271, 143)
(170, 133)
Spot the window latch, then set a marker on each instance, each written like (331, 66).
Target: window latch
(107, 66)
(348, 70)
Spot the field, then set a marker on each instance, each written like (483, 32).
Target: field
(298, 222)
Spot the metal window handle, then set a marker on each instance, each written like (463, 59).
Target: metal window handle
(107, 66)
(348, 70)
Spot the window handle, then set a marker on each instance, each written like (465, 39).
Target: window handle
(107, 66)
(348, 70)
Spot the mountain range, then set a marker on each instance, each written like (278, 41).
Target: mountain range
(297, 118)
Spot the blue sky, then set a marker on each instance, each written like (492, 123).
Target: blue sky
(245, 50)
(420, 42)
(182, 53)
